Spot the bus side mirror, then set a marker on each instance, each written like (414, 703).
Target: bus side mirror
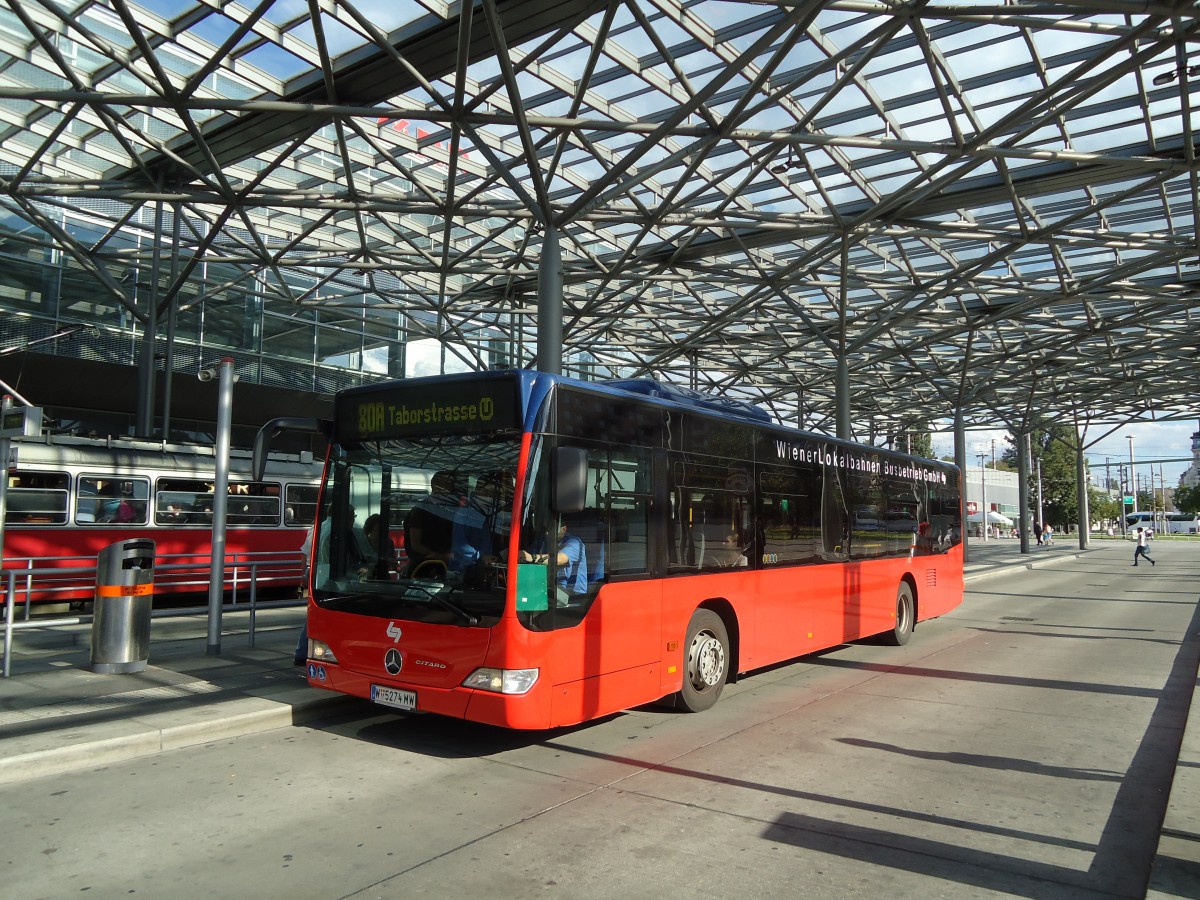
(568, 474)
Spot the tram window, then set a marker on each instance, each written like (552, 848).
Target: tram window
(109, 499)
(172, 507)
(300, 504)
(37, 498)
(189, 501)
(252, 509)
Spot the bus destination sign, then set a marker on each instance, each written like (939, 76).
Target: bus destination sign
(410, 410)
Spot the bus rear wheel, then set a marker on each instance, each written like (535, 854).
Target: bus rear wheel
(706, 661)
(906, 617)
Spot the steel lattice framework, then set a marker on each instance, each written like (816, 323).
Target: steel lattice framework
(985, 206)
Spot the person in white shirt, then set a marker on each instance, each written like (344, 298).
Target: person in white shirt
(1140, 550)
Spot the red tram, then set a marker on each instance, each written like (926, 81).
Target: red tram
(70, 497)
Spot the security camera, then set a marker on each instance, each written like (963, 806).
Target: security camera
(209, 373)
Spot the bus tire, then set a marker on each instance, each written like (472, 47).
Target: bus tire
(706, 661)
(906, 617)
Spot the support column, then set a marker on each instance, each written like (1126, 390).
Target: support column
(1023, 487)
(842, 396)
(843, 399)
(172, 316)
(216, 574)
(1085, 522)
(146, 367)
(550, 304)
(960, 460)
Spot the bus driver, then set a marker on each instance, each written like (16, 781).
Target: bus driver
(571, 561)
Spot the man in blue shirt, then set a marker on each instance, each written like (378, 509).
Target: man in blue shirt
(571, 561)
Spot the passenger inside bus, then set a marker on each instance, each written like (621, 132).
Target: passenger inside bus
(429, 526)
(482, 526)
(379, 561)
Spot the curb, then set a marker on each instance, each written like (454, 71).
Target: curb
(1038, 563)
(162, 731)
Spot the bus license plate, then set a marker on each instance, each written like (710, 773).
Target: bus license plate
(394, 697)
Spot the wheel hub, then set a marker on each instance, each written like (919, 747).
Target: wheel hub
(706, 661)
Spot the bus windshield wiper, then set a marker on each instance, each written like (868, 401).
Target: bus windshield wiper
(335, 599)
(447, 604)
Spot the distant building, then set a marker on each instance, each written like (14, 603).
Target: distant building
(1003, 495)
(1191, 475)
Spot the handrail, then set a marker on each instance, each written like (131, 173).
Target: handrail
(251, 607)
(59, 579)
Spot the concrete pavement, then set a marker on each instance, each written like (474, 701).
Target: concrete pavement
(57, 716)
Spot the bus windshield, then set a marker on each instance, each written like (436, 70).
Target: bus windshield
(417, 528)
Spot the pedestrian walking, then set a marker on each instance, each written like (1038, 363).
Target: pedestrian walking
(1141, 550)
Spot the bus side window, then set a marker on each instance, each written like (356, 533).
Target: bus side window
(37, 498)
(903, 509)
(628, 513)
(945, 523)
(786, 529)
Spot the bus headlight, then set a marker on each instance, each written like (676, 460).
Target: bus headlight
(319, 651)
(502, 681)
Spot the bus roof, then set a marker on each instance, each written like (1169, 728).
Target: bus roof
(725, 406)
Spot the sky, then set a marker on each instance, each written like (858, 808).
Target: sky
(1152, 441)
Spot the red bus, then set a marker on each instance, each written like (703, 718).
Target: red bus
(70, 497)
(591, 547)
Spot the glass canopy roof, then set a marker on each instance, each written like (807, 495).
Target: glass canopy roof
(989, 206)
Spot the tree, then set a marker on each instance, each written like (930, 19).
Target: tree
(1059, 485)
(917, 440)
(1187, 499)
(1055, 447)
(1102, 506)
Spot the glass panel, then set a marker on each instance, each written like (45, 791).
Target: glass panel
(37, 498)
(300, 504)
(865, 497)
(906, 510)
(453, 494)
(628, 480)
(183, 501)
(187, 501)
(710, 527)
(945, 517)
(786, 527)
(112, 500)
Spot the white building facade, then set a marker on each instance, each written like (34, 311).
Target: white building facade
(1191, 475)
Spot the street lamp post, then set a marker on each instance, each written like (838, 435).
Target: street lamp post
(983, 494)
(1040, 524)
(1132, 476)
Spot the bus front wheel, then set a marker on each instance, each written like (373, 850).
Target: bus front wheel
(906, 617)
(706, 661)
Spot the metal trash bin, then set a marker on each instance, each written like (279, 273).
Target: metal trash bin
(121, 614)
